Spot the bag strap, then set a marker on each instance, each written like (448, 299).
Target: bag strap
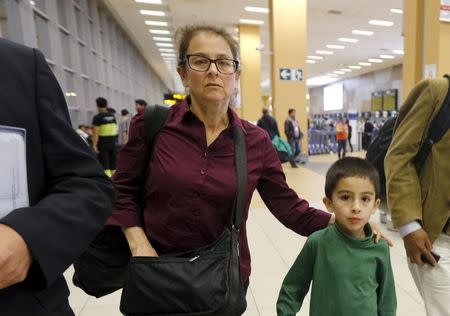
(438, 127)
(240, 155)
(155, 117)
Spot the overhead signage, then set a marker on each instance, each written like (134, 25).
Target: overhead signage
(291, 74)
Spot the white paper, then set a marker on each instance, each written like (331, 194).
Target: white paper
(13, 170)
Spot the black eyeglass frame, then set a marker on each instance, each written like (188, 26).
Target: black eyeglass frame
(211, 61)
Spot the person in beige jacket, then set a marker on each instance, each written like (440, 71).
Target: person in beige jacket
(420, 199)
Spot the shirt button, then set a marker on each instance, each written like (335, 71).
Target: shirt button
(202, 172)
(205, 154)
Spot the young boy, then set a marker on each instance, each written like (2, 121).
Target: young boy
(350, 274)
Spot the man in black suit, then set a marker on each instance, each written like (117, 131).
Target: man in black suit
(69, 195)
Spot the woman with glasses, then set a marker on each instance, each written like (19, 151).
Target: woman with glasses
(193, 183)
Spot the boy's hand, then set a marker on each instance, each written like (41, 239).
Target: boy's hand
(379, 234)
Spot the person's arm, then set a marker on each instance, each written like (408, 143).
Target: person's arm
(402, 181)
(78, 196)
(294, 212)
(386, 297)
(138, 242)
(95, 138)
(296, 283)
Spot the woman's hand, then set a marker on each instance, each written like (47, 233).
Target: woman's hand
(138, 242)
(378, 235)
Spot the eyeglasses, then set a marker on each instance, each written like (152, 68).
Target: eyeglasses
(201, 63)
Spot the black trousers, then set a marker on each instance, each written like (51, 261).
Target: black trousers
(341, 147)
(107, 157)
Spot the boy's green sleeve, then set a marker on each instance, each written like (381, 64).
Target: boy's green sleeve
(296, 283)
(387, 300)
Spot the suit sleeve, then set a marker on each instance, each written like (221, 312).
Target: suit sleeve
(78, 197)
(387, 301)
(296, 283)
(402, 182)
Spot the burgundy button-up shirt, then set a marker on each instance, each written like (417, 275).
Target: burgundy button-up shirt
(190, 187)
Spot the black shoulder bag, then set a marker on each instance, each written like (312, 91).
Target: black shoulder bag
(101, 269)
(205, 281)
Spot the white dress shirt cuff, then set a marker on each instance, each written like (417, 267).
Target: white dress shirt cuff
(409, 228)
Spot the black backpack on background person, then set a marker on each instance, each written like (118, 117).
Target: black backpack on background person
(379, 146)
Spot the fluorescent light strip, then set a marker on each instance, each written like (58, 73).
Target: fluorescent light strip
(156, 23)
(354, 67)
(324, 52)
(162, 32)
(346, 70)
(315, 57)
(387, 56)
(309, 61)
(336, 46)
(164, 44)
(167, 50)
(398, 11)
(167, 55)
(365, 64)
(255, 22)
(348, 40)
(381, 23)
(152, 12)
(360, 32)
(398, 51)
(162, 39)
(339, 72)
(375, 60)
(150, 1)
(257, 9)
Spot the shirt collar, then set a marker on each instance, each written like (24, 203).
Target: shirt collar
(234, 118)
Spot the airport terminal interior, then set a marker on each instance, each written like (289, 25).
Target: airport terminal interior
(327, 59)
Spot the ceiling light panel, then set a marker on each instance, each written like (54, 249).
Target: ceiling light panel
(387, 56)
(348, 40)
(339, 72)
(336, 46)
(255, 22)
(310, 61)
(150, 1)
(398, 51)
(324, 52)
(346, 70)
(167, 55)
(257, 9)
(361, 32)
(398, 11)
(167, 50)
(153, 12)
(375, 60)
(162, 39)
(381, 23)
(354, 67)
(315, 57)
(365, 64)
(156, 23)
(162, 32)
(164, 44)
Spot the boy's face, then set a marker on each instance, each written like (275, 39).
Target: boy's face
(353, 202)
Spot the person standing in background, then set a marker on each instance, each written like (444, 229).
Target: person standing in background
(104, 136)
(293, 132)
(124, 126)
(140, 105)
(349, 129)
(341, 137)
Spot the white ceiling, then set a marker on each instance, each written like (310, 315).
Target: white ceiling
(323, 29)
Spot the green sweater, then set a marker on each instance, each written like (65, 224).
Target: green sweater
(350, 276)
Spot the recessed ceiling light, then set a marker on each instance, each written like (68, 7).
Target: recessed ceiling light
(309, 61)
(348, 40)
(339, 72)
(156, 23)
(167, 50)
(346, 70)
(398, 51)
(354, 67)
(153, 12)
(255, 22)
(336, 46)
(360, 32)
(381, 23)
(167, 55)
(315, 57)
(162, 39)
(324, 52)
(164, 44)
(165, 32)
(150, 1)
(365, 64)
(332, 74)
(257, 9)
(375, 60)
(387, 56)
(398, 11)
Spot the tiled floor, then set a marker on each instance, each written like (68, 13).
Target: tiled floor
(274, 248)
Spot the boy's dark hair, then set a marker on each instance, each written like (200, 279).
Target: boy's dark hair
(141, 102)
(291, 110)
(124, 112)
(101, 102)
(351, 167)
